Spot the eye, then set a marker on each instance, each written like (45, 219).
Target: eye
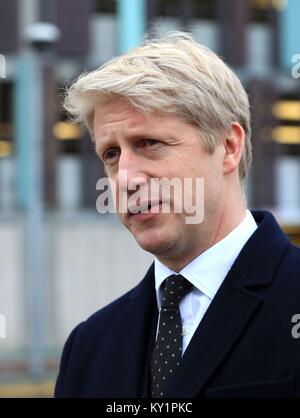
(111, 155)
(150, 142)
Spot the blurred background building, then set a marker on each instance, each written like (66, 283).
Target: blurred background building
(59, 259)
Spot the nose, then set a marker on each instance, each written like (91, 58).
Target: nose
(131, 172)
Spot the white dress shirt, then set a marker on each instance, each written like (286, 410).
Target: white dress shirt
(206, 272)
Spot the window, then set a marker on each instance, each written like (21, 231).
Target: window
(6, 127)
(287, 111)
(260, 9)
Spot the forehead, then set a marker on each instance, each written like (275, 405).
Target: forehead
(119, 117)
(117, 114)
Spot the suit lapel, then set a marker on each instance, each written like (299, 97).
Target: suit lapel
(233, 308)
(130, 334)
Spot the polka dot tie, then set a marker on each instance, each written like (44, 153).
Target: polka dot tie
(167, 350)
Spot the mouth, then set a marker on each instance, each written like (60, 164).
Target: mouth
(145, 210)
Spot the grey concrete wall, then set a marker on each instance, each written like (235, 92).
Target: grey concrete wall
(90, 260)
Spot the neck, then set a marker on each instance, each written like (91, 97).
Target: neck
(212, 231)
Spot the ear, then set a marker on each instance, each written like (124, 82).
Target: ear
(233, 143)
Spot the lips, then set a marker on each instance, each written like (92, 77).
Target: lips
(144, 207)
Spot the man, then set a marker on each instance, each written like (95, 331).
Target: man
(214, 315)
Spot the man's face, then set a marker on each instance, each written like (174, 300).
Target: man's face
(155, 147)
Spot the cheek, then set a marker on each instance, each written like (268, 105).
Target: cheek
(118, 194)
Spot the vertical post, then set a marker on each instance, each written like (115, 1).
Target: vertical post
(8, 25)
(72, 17)
(263, 95)
(51, 147)
(233, 17)
(22, 133)
(28, 14)
(132, 23)
(34, 245)
(29, 111)
(289, 18)
(29, 122)
(275, 38)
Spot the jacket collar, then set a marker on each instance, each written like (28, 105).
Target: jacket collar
(261, 255)
(254, 267)
(233, 308)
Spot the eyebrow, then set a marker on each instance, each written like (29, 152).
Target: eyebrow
(133, 137)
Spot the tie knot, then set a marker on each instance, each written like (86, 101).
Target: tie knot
(175, 288)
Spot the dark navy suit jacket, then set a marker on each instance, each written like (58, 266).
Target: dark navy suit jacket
(243, 347)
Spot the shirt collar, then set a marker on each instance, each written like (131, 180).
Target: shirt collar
(207, 271)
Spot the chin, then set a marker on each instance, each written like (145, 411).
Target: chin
(150, 245)
(153, 243)
(155, 237)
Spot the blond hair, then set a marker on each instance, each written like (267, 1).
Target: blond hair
(171, 75)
